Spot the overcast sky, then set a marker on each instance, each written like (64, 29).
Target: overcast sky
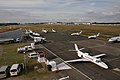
(59, 10)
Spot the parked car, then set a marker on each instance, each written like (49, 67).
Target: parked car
(33, 55)
(15, 69)
(4, 71)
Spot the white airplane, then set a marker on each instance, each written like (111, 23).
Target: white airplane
(114, 39)
(53, 30)
(94, 36)
(28, 31)
(44, 31)
(32, 34)
(76, 34)
(86, 57)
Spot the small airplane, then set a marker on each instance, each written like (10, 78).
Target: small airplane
(94, 36)
(32, 34)
(53, 31)
(114, 39)
(44, 31)
(86, 57)
(76, 34)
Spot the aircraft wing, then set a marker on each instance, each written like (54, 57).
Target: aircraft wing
(99, 55)
(76, 60)
(63, 66)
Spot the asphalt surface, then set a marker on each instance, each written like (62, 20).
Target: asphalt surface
(60, 43)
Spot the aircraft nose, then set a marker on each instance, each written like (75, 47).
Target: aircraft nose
(110, 40)
(104, 66)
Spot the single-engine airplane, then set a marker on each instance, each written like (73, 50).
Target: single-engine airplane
(93, 36)
(76, 34)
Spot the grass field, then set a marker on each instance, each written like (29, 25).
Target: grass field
(86, 28)
(106, 31)
(10, 56)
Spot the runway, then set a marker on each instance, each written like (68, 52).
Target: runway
(60, 44)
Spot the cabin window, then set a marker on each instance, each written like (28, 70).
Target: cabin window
(13, 70)
(2, 72)
(33, 54)
(98, 61)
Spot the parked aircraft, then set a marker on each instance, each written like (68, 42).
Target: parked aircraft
(44, 31)
(53, 30)
(94, 36)
(76, 34)
(114, 39)
(28, 31)
(86, 57)
(32, 34)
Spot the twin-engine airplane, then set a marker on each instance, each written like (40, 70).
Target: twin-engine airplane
(76, 34)
(86, 57)
(94, 36)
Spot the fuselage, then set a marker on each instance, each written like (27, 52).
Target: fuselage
(90, 37)
(75, 34)
(92, 59)
(114, 39)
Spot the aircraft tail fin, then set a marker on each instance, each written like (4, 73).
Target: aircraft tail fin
(98, 34)
(79, 53)
(80, 32)
(76, 47)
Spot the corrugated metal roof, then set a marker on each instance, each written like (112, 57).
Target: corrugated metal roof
(11, 35)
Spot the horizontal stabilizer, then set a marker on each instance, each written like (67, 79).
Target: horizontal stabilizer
(96, 56)
(81, 48)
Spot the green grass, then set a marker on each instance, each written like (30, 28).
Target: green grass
(10, 55)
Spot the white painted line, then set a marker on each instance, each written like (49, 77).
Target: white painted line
(68, 64)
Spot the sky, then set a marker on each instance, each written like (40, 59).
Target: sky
(25, 11)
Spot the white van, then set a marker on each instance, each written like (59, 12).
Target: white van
(4, 71)
(15, 69)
